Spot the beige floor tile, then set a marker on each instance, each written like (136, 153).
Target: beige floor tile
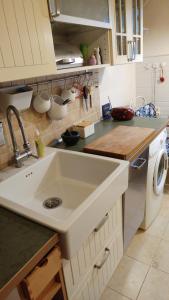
(143, 247)
(156, 286)
(166, 234)
(128, 277)
(165, 201)
(164, 211)
(158, 227)
(161, 259)
(109, 294)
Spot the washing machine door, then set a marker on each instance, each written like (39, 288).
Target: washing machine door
(160, 172)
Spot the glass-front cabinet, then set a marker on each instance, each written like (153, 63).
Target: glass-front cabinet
(137, 29)
(92, 13)
(127, 31)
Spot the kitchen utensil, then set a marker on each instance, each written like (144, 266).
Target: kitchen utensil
(58, 99)
(69, 94)
(57, 112)
(121, 142)
(162, 78)
(90, 89)
(85, 95)
(122, 113)
(66, 101)
(70, 138)
(42, 102)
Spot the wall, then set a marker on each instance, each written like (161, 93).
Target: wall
(49, 129)
(119, 83)
(156, 51)
(156, 41)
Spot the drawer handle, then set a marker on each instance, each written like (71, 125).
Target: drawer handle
(103, 221)
(107, 253)
(43, 262)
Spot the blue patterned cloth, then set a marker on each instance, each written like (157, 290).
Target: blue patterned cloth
(147, 110)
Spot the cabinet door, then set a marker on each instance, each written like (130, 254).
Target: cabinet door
(127, 31)
(137, 29)
(26, 44)
(120, 31)
(94, 13)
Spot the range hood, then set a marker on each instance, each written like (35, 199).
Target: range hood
(67, 56)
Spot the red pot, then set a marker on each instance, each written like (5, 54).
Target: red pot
(122, 113)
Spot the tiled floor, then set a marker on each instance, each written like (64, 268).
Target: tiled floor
(143, 273)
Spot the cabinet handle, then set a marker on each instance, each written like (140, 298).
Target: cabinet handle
(129, 52)
(138, 163)
(133, 50)
(43, 262)
(107, 253)
(103, 221)
(54, 13)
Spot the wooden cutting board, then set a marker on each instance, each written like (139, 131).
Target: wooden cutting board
(122, 142)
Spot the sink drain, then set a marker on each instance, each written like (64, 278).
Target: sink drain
(52, 202)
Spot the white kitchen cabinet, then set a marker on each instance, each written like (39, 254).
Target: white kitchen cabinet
(127, 32)
(26, 44)
(92, 13)
(103, 247)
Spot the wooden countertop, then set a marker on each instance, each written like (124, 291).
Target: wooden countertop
(104, 127)
(121, 142)
(23, 243)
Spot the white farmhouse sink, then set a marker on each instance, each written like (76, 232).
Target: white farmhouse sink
(86, 184)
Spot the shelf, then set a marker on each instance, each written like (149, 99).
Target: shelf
(81, 21)
(79, 69)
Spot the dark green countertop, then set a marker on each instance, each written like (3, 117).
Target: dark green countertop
(103, 127)
(20, 239)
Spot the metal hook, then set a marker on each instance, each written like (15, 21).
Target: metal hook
(37, 88)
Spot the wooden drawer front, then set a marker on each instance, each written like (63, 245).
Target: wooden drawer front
(43, 275)
(76, 268)
(98, 279)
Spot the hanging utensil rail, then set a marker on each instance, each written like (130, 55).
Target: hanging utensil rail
(61, 79)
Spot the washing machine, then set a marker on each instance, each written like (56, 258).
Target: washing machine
(156, 176)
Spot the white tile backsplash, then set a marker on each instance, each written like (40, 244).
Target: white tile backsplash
(145, 78)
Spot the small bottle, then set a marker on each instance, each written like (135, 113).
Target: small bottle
(97, 55)
(40, 147)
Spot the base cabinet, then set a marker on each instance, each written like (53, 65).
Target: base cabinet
(46, 281)
(88, 272)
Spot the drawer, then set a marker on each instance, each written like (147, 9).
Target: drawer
(76, 268)
(42, 278)
(101, 271)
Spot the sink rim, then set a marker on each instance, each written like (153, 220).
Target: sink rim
(63, 226)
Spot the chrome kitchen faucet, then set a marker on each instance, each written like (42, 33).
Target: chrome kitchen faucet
(18, 156)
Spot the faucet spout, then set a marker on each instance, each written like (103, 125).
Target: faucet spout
(18, 156)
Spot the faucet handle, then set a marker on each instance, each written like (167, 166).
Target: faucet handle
(27, 146)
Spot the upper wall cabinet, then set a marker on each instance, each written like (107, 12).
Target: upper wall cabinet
(26, 44)
(127, 33)
(92, 13)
